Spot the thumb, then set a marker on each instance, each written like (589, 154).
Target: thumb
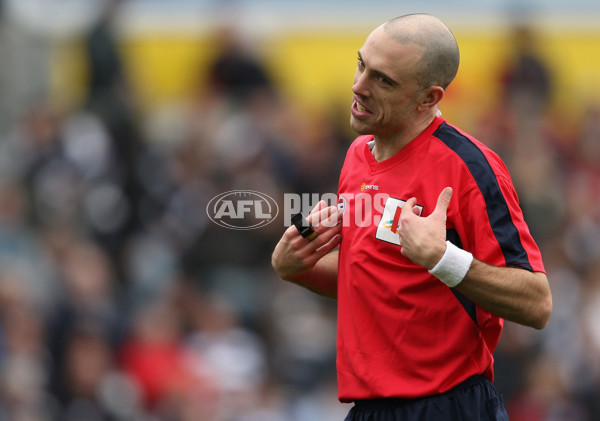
(409, 206)
(443, 201)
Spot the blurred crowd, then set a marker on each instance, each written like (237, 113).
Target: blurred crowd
(120, 300)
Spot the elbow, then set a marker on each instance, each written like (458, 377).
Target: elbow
(543, 313)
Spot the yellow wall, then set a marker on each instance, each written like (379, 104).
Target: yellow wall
(317, 68)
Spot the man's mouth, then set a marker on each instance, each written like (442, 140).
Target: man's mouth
(361, 108)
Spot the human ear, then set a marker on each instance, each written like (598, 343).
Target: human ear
(431, 97)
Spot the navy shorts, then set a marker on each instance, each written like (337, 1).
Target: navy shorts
(475, 399)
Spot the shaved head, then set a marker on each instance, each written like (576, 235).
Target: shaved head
(439, 62)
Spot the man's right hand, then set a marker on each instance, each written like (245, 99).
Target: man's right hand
(294, 255)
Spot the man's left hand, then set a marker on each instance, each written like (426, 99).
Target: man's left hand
(423, 239)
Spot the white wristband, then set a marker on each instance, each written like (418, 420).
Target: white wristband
(453, 266)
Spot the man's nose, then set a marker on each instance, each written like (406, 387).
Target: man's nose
(360, 86)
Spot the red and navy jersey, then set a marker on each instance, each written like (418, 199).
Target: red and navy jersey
(401, 331)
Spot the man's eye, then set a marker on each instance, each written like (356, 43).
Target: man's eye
(384, 80)
(361, 64)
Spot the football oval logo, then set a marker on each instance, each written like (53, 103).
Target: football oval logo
(242, 209)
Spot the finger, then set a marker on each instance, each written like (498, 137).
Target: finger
(325, 239)
(326, 230)
(443, 201)
(308, 247)
(291, 232)
(327, 216)
(334, 218)
(320, 222)
(327, 247)
(410, 206)
(318, 207)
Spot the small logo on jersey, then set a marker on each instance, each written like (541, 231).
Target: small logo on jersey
(366, 186)
(387, 230)
(342, 204)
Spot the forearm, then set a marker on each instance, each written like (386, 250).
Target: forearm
(321, 278)
(511, 293)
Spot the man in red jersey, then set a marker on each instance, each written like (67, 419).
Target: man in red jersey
(433, 249)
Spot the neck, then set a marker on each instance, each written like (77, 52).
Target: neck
(388, 146)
